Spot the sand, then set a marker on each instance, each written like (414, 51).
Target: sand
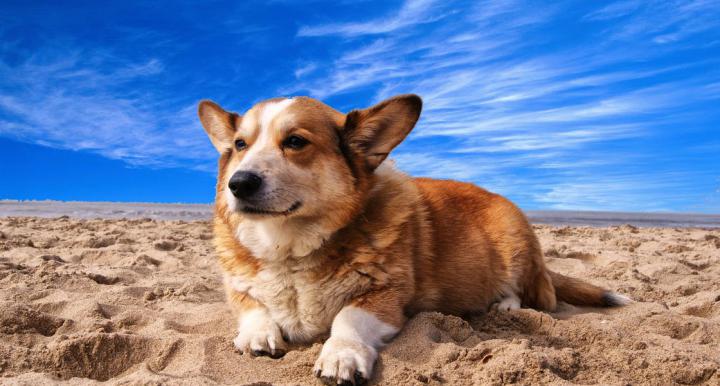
(140, 302)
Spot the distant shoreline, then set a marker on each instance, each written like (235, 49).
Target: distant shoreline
(190, 212)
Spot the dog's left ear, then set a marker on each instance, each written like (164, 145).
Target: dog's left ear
(375, 131)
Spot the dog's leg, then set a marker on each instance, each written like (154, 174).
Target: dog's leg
(358, 331)
(258, 334)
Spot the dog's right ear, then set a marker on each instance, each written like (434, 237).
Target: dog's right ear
(219, 124)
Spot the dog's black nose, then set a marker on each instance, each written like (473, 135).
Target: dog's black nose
(244, 184)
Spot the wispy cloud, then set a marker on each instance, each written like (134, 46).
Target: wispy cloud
(411, 13)
(81, 100)
(615, 10)
(620, 191)
(569, 105)
(498, 102)
(662, 21)
(559, 140)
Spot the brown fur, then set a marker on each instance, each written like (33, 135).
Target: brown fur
(397, 245)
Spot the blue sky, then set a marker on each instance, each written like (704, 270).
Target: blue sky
(557, 105)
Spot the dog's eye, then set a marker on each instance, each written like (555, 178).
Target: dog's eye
(240, 144)
(295, 142)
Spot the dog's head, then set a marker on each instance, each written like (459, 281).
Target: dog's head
(297, 157)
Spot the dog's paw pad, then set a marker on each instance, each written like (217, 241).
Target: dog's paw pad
(345, 362)
(262, 342)
(509, 303)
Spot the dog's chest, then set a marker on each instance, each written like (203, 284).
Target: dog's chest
(301, 302)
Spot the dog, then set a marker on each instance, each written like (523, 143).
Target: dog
(316, 233)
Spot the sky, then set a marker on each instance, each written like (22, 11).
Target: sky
(557, 105)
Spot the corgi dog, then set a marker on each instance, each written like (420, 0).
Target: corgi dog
(319, 237)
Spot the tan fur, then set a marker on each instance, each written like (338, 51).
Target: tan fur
(388, 244)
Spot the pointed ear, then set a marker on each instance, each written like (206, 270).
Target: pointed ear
(375, 131)
(219, 124)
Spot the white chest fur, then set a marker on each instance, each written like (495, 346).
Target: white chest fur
(302, 304)
(277, 239)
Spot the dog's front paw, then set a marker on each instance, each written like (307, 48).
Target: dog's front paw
(260, 336)
(345, 362)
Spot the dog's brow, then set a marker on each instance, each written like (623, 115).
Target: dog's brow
(271, 110)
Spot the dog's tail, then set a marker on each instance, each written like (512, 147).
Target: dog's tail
(549, 287)
(580, 293)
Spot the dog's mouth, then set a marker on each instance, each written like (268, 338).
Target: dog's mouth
(267, 212)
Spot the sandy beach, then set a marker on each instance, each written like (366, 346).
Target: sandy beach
(139, 301)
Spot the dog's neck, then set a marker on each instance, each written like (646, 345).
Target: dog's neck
(277, 240)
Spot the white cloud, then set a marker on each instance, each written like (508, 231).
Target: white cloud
(662, 21)
(85, 101)
(411, 13)
(503, 96)
(615, 10)
(496, 104)
(617, 191)
(306, 69)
